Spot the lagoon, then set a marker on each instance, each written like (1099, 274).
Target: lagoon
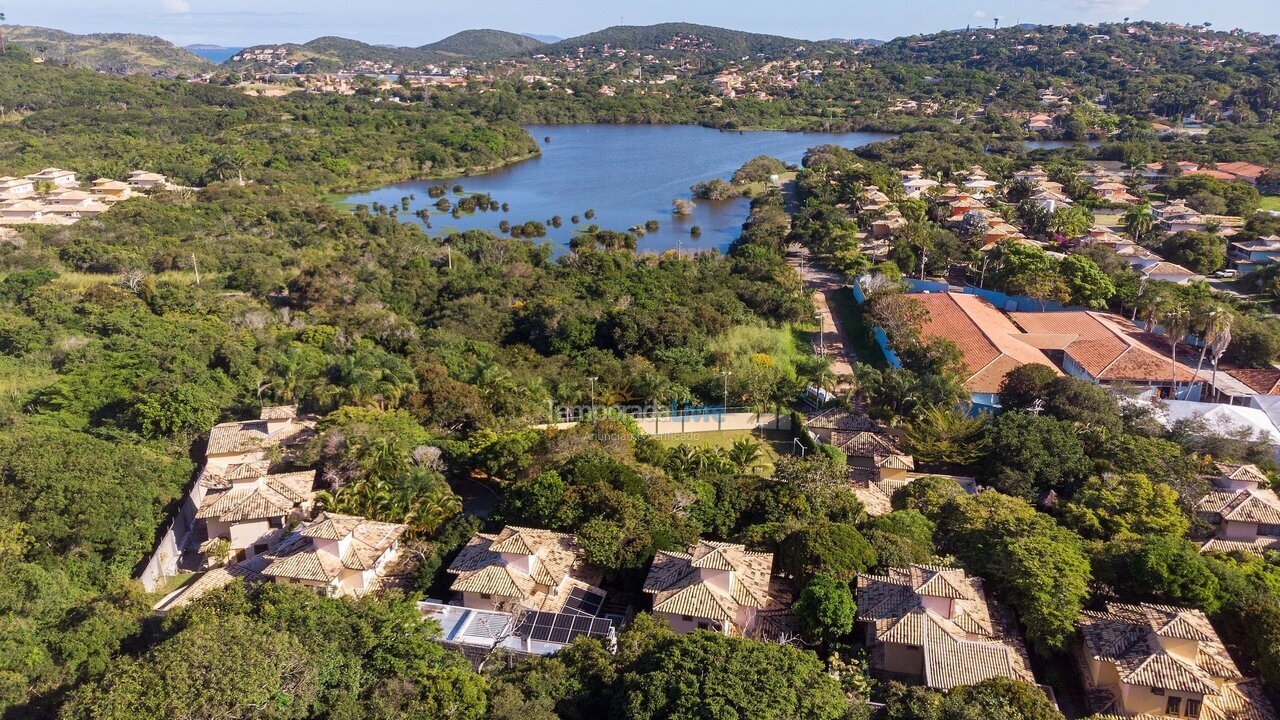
(628, 174)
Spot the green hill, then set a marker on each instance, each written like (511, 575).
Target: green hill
(118, 53)
(484, 44)
(679, 39)
(331, 53)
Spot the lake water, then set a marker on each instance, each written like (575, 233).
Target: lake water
(217, 55)
(1059, 144)
(628, 174)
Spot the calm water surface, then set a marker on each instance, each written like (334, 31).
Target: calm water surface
(628, 174)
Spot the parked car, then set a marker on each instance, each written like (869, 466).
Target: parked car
(1226, 273)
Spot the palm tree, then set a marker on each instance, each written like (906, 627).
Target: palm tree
(1139, 221)
(745, 454)
(230, 164)
(3, 49)
(1177, 321)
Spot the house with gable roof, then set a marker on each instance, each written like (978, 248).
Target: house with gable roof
(252, 509)
(336, 555)
(527, 568)
(1162, 661)
(1243, 510)
(990, 345)
(717, 586)
(934, 626)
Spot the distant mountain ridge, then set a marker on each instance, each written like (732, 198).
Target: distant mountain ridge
(119, 53)
(338, 51)
(674, 38)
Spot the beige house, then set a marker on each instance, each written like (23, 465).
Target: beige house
(1244, 513)
(716, 586)
(55, 176)
(1160, 661)
(336, 555)
(142, 180)
(526, 568)
(934, 626)
(13, 188)
(252, 510)
(877, 452)
(112, 190)
(238, 457)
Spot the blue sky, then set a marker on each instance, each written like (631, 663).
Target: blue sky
(416, 22)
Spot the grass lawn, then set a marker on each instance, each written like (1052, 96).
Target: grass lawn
(773, 443)
(169, 584)
(1271, 202)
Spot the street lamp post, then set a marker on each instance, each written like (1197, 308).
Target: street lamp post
(724, 410)
(822, 336)
(593, 393)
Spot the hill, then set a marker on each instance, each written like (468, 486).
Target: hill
(484, 44)
(117, 53)
(331, 53)
(679, 38)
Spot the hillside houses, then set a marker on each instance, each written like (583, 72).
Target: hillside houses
(54, 197)
(249, 516)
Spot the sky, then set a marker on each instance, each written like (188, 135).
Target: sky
(418, 22)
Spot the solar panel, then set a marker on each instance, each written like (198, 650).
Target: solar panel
(561, 628)
(584, 601)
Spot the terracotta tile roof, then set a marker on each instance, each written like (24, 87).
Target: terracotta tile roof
(1129, 637)
(881, 448)
(557, 566)
(1251, 506)
(299, 557)
(678, 586)
(270, 496)
(248, 436)
(973, 644)
(1242, 473)
(989, 343)
(1242, 169)
(1264, 381)
(212, 580)
(1106, 346)
(1257, 546)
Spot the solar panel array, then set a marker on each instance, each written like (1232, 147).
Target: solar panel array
(583, 601)
(561, 628)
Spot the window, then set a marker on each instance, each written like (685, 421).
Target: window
(1272, 530)
(687, 618)
(704, 626)
(1173, 706)
(260, 548)
(485, 596)
(275, 522)
(1157, 691)
(1193, 708)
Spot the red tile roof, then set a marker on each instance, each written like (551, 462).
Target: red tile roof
(1264, 381)
(990, 344)
(1106, 346)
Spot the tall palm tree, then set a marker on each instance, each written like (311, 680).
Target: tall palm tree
(3, 49)
(1139, 221)
(1177, 322)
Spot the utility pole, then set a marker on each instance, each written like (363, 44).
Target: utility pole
(822, 335)
(593, 379)
(725, 410)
